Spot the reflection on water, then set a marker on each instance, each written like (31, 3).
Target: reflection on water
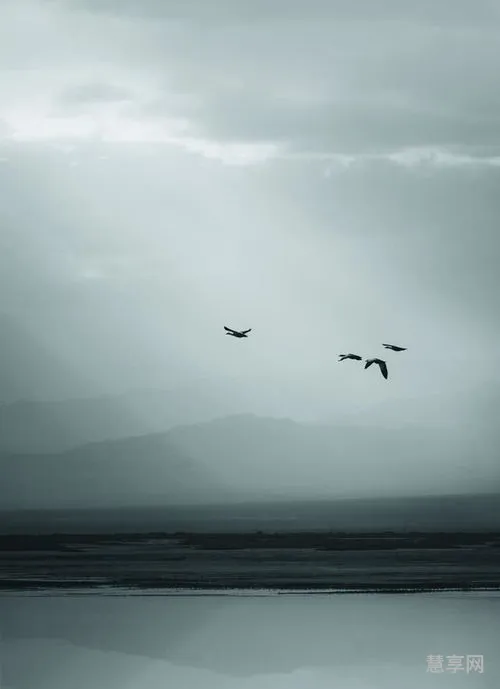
(223, 642)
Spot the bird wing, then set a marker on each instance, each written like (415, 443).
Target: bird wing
(229, 330)
(383, 368)
(355, 356)
(244, 332)
(394, 347)
(369, 362)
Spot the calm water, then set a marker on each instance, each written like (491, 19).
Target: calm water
(247, 642)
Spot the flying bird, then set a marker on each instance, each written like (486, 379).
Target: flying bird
(237, 333)
(382, 365)
(342, 357)
(394, 348)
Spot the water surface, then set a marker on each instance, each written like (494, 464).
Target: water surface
(355, 641)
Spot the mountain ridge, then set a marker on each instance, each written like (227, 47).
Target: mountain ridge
(56, 425)
(245, 455)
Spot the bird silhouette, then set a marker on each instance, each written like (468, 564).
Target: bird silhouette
(343, 357)
(394, 348)
(382, 365)
(237, 333)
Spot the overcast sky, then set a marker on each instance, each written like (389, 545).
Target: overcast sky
(324, 172)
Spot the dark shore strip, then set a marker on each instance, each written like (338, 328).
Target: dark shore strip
(163, 587)
(300, 561)
(327, 540)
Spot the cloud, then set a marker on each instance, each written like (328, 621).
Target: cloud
(348, 81)
(94, 92)
(456, 12)
(421, 159)
(165, 174)
(321, 90)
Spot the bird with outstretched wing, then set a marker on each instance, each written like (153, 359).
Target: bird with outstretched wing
(394, 348)
(381, 364)
(343, 357)
(237, 333)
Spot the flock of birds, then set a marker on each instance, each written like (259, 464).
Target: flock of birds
(380, 362)
(342, 357)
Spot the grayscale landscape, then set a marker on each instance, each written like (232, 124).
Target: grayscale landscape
(249, 342)
(231, 503)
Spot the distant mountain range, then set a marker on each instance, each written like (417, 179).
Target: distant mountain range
(55, 426)
(134, 471)
(246, 457)
(282, 458)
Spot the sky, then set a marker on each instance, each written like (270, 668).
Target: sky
(325, 173)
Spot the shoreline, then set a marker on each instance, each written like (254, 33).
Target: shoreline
(301, 561)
